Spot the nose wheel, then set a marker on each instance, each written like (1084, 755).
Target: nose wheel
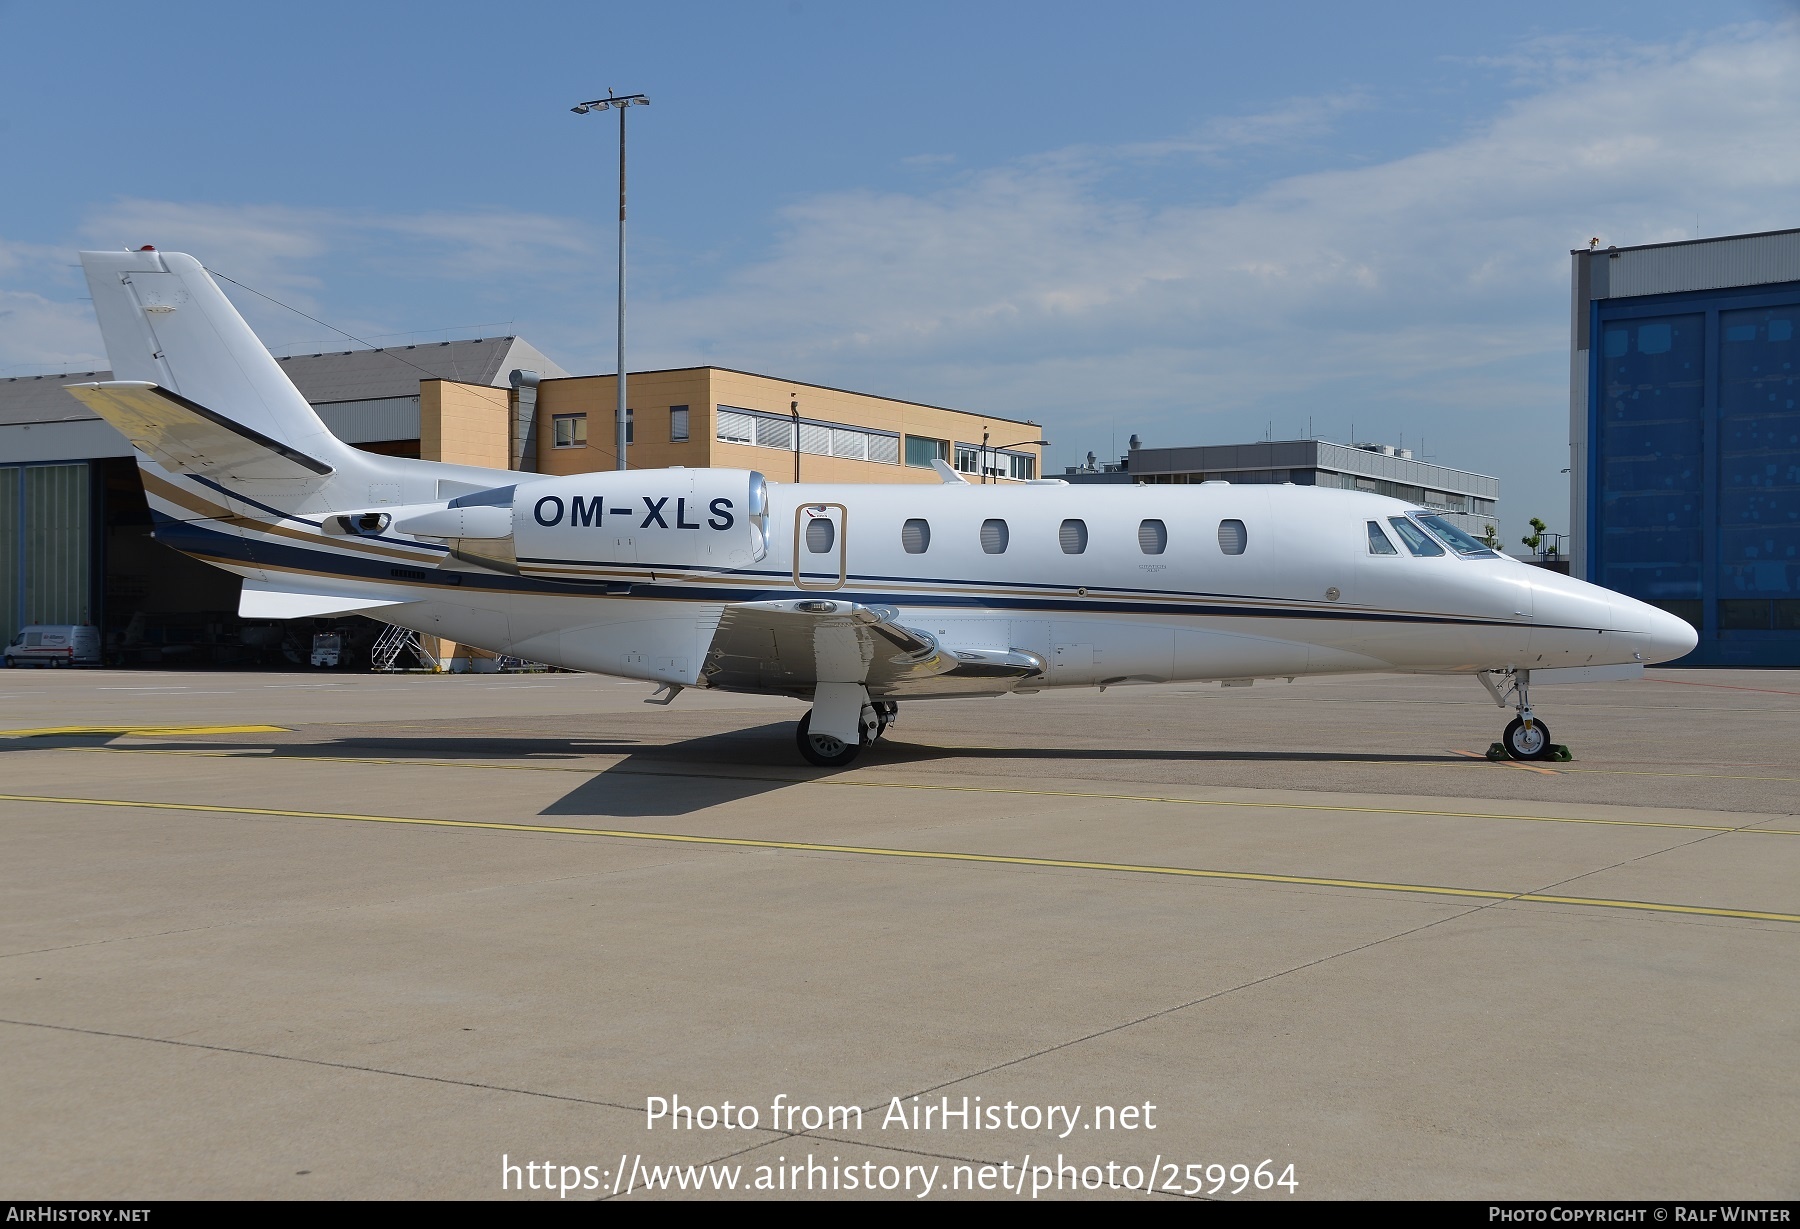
(1526, 737)
(1527, 742)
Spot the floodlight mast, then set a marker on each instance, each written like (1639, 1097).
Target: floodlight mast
(621, 424)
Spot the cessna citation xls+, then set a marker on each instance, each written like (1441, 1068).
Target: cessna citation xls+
(852, 597)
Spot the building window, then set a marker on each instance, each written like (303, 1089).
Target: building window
(884, 449)
(968, 459)
(915, 536)
(849, 444)
(1233, 537)
(994, 537)
(1073, 536)
(1022, 468)
(570, 430)
(1153, 537)
(922, 450)
(815, 440)
(678, 424)
(630, 426)
(775, 433)
(735, 428)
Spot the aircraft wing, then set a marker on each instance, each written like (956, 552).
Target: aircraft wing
(187, 438)
(795, 644)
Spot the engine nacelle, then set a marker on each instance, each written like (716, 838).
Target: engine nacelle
(675, 522)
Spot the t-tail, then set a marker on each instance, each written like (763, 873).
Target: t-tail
(238, 469)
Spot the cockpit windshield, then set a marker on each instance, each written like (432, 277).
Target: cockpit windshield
(1417, 540)
(1456, 539)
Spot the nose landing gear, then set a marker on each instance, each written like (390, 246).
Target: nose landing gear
(1526, 737)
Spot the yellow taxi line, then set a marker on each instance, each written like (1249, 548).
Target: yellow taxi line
(930, 854)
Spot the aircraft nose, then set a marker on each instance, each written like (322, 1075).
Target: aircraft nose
(1659, 635)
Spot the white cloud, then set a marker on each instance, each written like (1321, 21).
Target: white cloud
(1424, 294)
(1429, 292)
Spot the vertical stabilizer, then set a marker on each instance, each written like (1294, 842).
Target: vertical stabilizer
(165, 321)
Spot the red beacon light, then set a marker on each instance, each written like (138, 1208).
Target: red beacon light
(146, 248)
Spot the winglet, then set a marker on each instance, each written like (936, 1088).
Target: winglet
(946, 474)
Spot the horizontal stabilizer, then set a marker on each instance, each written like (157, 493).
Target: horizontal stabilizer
(187, 438)
(262, 601)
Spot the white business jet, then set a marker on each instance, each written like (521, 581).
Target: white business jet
(852, 597)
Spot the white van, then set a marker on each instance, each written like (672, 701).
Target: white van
(55, 644)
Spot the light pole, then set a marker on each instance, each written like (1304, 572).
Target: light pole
(582, 108)
(985, 450)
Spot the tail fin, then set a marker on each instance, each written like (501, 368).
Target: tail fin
(165, 322)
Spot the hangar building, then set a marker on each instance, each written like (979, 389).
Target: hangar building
(1684, 430)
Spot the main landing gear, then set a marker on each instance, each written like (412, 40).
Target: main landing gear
(834, 750)
(1526, 737)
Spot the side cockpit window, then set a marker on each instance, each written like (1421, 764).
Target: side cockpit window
(1417, 540)
(1378, 541)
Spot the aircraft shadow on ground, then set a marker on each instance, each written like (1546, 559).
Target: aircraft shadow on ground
(662, 780)
(681, 778)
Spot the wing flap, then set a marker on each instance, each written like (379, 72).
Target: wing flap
(186, 437)
(784, 645)
(795, 645)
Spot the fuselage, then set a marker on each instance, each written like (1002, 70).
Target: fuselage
(1106, 584)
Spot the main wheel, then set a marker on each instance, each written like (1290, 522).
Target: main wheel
(1527, 743)
(824, 750)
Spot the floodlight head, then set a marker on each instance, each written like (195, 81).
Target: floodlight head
(581, 109)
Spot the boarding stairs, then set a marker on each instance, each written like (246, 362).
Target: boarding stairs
(397, 643)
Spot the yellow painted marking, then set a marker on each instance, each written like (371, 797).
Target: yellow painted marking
(930, 854)
(146, 731)
(976, 789)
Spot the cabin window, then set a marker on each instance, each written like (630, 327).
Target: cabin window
(1378, 541)
(570, 430)
(678, 424)
(1073, 536)
(1153, 537)
(1416, 539)
(994, 537)
(821, 535)
(1233, 537)
(915, 536)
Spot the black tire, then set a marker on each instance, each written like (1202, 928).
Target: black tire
(1523, 744)
(823, 751)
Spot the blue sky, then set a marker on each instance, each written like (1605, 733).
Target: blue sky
(1196, 222)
